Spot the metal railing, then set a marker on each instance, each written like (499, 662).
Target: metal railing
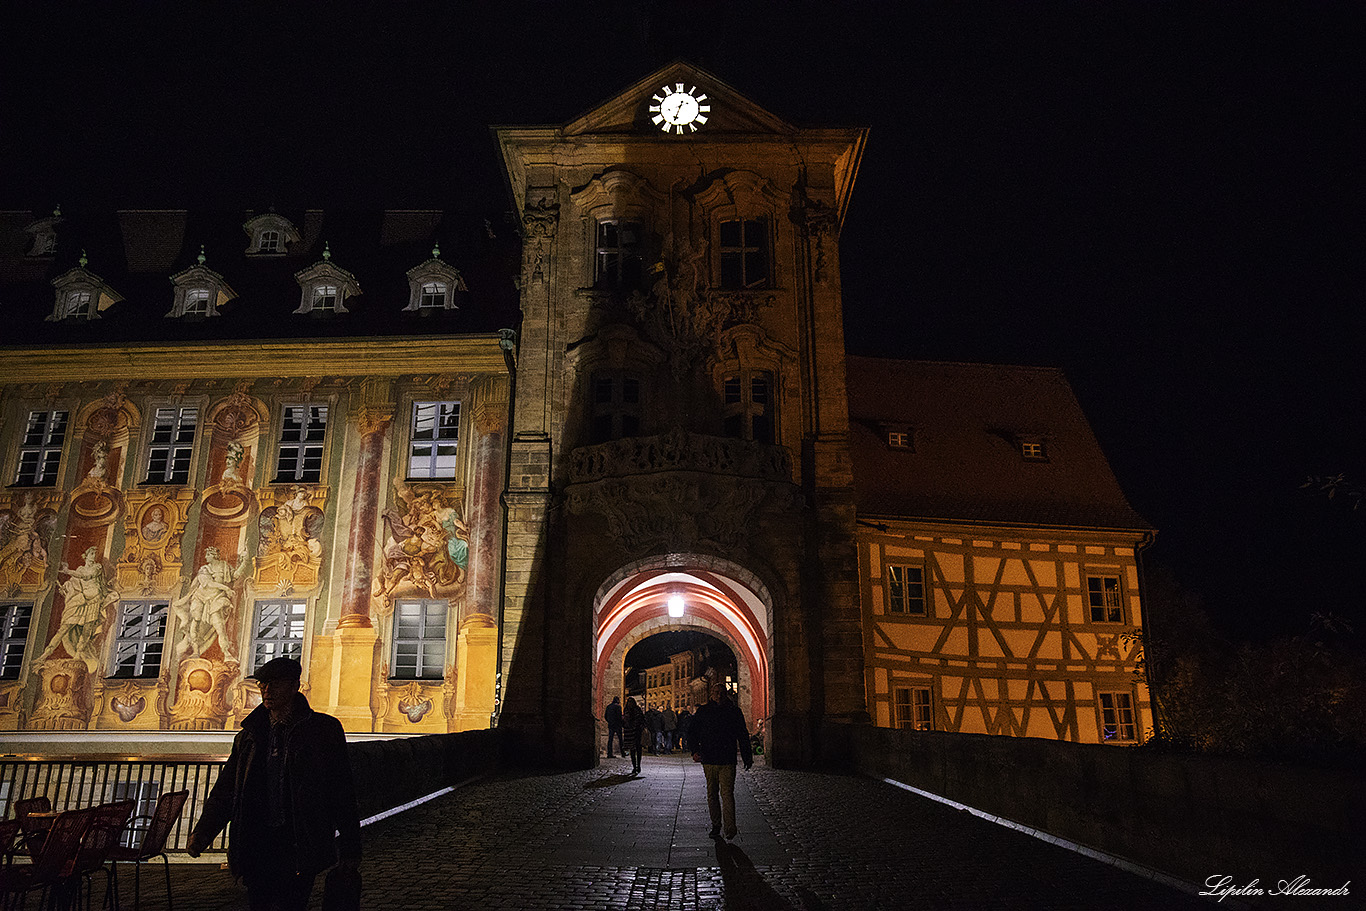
(73, 784)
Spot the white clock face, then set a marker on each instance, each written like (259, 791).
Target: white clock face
(677, 111)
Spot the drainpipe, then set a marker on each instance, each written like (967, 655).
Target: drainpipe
(507, 340)
(1143, 544)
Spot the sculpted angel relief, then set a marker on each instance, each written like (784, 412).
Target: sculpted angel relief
(426, 544)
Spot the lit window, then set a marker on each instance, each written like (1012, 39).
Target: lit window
(139, 638)
(620, 249)
(168, 457)
(75, 303)
(278, 632)
(197, 302)
(899, 439)
(433, 296)
(1033, 451)
(324, 299)
(300, 454)
(914, 710)
(744, 254)
(40, 454)
(1103, 594)
(419, 639)
(1117, 717)
(616, 406)
(747, 406)
(906, 590)
(14, 623)
(436, 432)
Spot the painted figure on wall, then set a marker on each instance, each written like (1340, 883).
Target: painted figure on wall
(428, 544)
(85, 592)
(202, 612)
(289, 537)
(232, 462)
(155, 527)
(23, 538)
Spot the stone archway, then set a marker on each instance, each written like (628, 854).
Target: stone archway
(719, 598)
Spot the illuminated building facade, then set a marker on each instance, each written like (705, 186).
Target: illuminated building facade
(227, 438)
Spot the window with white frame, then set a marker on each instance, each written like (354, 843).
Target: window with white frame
(14, 624)
(144, 793)
(197, 302)
(1103, 596)
(744, 253)
(434, 440)
(620, 254)
(419, 639)
(278, 631)
(40, 452)
(139, 638)
(433, 296)
(616, 405)
(324, 299)
(299, 456)
(747, 406)
(914, 709)
(172, 445)
(906, 589)
(75, 302)
(1117, 717)
(268, 241)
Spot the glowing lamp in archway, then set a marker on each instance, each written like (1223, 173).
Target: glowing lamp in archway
(675, 606)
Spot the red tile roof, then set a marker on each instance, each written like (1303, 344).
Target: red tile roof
(967, 421)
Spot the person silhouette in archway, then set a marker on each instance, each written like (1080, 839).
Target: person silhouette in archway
(717, 731)
(632, 726)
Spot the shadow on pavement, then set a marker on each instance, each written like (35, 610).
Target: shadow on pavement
(745, 886)
(607, 781)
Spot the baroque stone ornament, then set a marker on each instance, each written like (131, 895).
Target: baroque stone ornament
(539, 223)
(62, 703)
(817, 220)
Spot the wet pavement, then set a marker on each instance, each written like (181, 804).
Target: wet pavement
(604, 839)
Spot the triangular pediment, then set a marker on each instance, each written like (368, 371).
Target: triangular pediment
(720, 108)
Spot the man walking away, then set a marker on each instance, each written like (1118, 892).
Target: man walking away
(717, 731)
(632, 727)
(654, 721)
(613, 718)
(287, 793)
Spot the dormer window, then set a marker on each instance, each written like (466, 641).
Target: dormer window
(324, 298)
(199, 291)
(1032, 449)
(81, 295)
(197, 302)
(433, 285)
(74, 303)
(44, 234)
(433, 296)
(271, 235)
(326, 287)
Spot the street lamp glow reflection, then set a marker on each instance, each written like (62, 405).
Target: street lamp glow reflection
(675, 606)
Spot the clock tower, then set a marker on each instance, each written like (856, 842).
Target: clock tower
(680, 432)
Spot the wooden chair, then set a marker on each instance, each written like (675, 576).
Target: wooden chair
(153, 844)
(22, 809)
(52, 863)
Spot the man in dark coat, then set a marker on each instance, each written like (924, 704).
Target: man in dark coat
(654, 721)
(717, 731)
(286, 790)
(613, 719)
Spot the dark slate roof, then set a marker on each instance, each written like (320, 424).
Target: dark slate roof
(965, 465)
(136, 252)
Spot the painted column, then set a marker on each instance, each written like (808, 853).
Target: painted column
(349, 663)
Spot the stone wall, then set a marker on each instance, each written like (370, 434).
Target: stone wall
(1188, 816)
(389, 773)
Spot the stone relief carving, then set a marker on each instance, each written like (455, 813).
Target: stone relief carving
(540, 222)
(678, 450)
(817, 220)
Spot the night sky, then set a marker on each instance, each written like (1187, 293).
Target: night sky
(1163, 199)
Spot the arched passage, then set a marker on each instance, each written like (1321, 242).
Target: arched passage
(717, 597)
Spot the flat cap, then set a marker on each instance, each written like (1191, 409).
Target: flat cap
(282, 668)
